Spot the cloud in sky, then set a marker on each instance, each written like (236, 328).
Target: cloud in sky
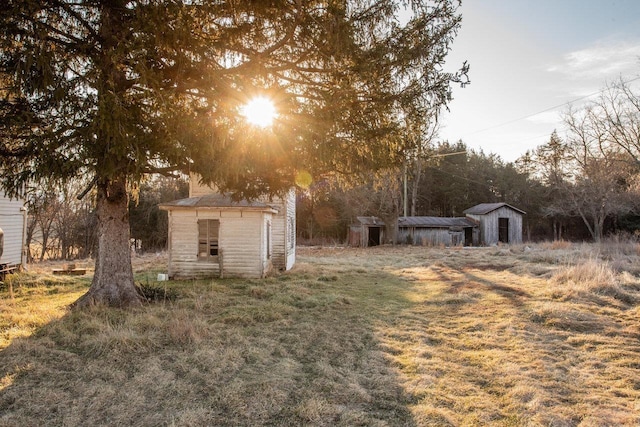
(530, 61)
(601, 60)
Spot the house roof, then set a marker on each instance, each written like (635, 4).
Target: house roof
(485, 208)
(370, 220)
(216, 201)
(434, 222)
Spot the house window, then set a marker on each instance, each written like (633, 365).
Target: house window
(208, 231)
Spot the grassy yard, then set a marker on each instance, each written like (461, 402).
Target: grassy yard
(545, 335)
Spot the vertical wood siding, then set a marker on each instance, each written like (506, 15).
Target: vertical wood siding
(489, 226)
(12, 223)
(422, 236)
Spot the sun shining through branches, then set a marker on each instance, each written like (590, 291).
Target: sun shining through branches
(259, 111)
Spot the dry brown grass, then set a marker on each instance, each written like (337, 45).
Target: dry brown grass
(388, 336)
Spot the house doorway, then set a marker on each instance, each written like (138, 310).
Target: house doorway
(503, 230)
(374, 236)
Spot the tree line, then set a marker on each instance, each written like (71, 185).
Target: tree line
(582, 185)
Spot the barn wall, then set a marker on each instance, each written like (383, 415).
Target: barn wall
(355, 235)
(242, 243)
(515, 227)
(423, 236)
(489, 226)
(359, 235)
(12, 223)
(364, 237)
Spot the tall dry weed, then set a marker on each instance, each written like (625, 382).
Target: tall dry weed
(593, 276)
(556, 245)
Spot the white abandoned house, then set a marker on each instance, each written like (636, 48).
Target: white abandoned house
(485, 224)
(212, 235)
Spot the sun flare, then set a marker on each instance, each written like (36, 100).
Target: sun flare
(259, 111)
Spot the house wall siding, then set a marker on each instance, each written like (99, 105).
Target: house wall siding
(242, 243)
(283, 228)
(196, 189)
(12, 223)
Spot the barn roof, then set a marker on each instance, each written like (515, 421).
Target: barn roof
(485, 208)
(434, 222)
(216, 201)
(370, 220)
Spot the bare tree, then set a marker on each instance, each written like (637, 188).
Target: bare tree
(601, 158)
(617, 111)
(550, 163)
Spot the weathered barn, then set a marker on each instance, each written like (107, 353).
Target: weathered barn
(498, 223)
(13, 221)
(366, 231)
(212, 235)
(436, 231)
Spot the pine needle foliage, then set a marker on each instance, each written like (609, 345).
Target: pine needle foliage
(126, 88)
(118, 89)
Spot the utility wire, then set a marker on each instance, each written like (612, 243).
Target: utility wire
(546, 109)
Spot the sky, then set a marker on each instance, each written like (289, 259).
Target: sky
(529, 60)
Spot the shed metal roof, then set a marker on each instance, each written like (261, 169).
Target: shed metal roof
(435, 222)
(485, 208)
(216, 201)
(370, 220)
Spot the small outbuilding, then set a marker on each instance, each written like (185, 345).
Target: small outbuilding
(366, 231)
(212, 235)
(437, 231)
(498, 223)
(13, 222)
(485, 224)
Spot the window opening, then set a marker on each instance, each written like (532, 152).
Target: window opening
(208, 230)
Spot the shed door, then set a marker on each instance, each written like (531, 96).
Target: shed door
(503, 230)
(374, 236)
(468, 236)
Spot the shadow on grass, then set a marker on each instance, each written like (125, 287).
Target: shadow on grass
(500, 351)
(297, 349)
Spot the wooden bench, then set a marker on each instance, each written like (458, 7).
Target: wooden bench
(74, 272)
(6, 269)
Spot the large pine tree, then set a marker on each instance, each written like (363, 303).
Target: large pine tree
(117, 89)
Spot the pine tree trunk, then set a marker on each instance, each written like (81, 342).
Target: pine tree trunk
(113, 279)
